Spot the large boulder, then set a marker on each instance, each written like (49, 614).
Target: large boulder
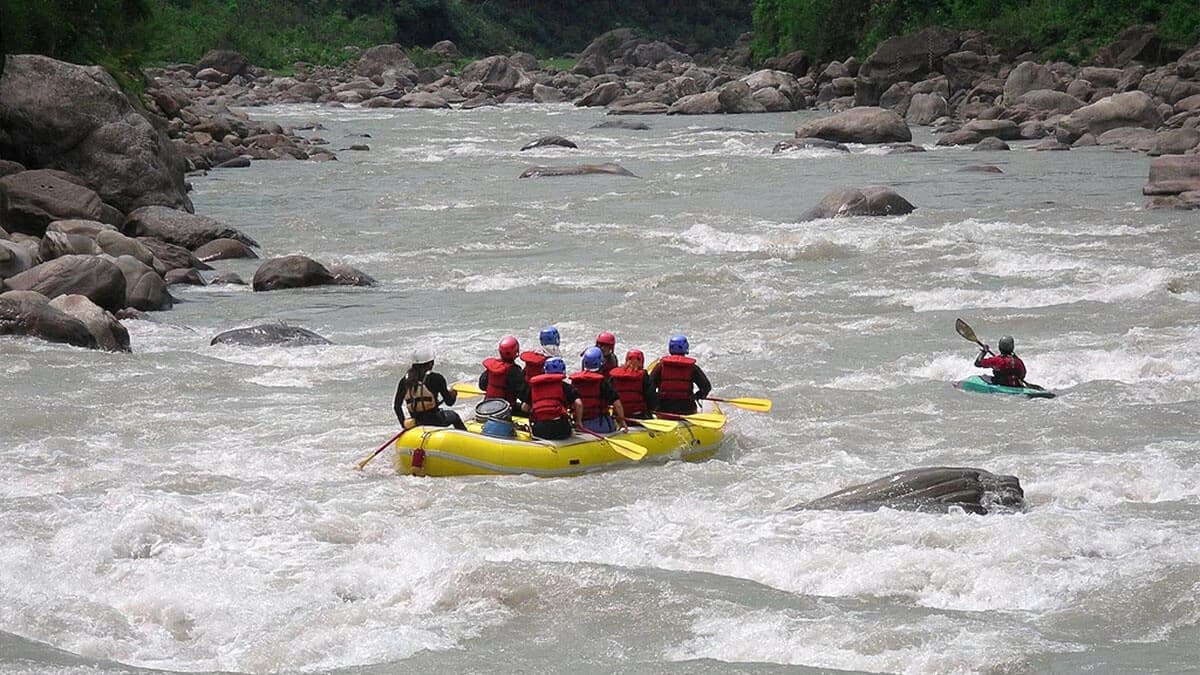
(929, 489)
(923, 109)
(1049, 101)
(15, 258)
(31, 200)
(859, 125)
(182, 229)
(144, 288)
(871, 200)
(496, 74)
(903, 58)
(170, 257)
(94, 276)
(1027, 76)
(224, 249)
(58, 115)
(29, 314)
(1130, 109)
(386, 62)
(270, 334)
(1173, 175)
(109, 333)
(292, 271)
(224, 61)
(601, 52)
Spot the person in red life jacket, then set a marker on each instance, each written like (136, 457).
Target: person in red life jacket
(633, 385)
(552, 401)
(534, 360)
(607, 342)
(502, 377)
(597, 395)
(1008, 369)
(678, 380)
(418, 394)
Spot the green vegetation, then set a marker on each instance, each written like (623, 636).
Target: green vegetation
(1074, 29)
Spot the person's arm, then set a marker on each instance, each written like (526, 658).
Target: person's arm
(577, 407)
(437, 384)
(619, 412)
(398, 403)
(703, 386)
(989, 362)
(520, 389)
(483, 380)
(983, 352)
(649, 393)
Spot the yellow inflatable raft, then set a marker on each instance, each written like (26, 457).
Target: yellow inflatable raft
(442, 451)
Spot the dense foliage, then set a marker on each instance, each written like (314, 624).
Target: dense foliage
(276, 33)
(1059, 28)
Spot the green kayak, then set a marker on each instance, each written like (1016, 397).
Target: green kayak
(983, 384)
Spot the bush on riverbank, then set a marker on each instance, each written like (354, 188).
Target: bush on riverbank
(1069, 29)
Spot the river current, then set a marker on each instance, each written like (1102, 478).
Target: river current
(193, 508)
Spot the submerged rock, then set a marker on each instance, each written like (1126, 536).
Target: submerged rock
(270, 334)
(930, 489)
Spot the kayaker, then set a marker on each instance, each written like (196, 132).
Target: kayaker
(633, 385)
(502, 377)
(597, 395)
(535, 359)
(418, 394)
(1008, 370)
(552, 400)
(607, 342)
(678, 380)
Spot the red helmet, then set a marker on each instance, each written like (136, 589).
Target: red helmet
(509, 348)
(635, 355)
(607, 339)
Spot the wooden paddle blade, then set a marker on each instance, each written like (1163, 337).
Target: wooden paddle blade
(466, 389)
(746, 403)
(657, 425)
(965, 330)
(628, 448)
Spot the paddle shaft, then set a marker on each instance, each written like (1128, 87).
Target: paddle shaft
(627, 448)
(380, 449)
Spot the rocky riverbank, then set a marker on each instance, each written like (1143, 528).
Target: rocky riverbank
(96, 223)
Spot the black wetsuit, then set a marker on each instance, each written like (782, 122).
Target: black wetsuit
(436, 384)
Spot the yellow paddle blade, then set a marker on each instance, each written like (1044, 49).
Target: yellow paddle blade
(657, 425)
(746, 403)
(628, 448)
(706, 420)
(466, 389)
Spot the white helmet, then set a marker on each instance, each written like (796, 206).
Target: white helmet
(422, 355)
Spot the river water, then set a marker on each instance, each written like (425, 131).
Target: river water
(196, 508)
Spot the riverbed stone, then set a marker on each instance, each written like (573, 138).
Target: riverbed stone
(109, 333)
(178, 227)
(292, 271)
(871, 200)
(31, 200)
(94, 276)
(30, 314)
(866, 124)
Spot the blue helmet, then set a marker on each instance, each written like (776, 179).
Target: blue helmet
(593, 358)
(555, 365)
(549, 336)
(678, 345)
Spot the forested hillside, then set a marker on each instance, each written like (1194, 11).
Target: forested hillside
(1070, 29)
(276, 33)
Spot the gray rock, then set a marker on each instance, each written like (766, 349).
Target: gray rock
(929, 489)
(75, 118)
(270, 334)
(579, 170)
(29, 314)
(549, 140)
(31, 200)
(109, 333)
(808, 143)
(859, 125)
(871, 200)
(223, 249)
(182, 229)
(96, 277)
(144, 288)
(1132, 109)
(990, 143)
(14, 259)
(293, 271)
(903, 58)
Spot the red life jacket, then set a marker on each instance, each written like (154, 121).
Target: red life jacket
(675, 378)
(588, 385)
(535, 363)
(628, 383)
(1008, 370)
(546, 390)
(497, 380)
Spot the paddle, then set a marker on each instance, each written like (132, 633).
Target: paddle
(466, 389)
(628, 448)
(745, 403)
(655, 425)
(380, 449)
(967, 332)
(706, 420)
